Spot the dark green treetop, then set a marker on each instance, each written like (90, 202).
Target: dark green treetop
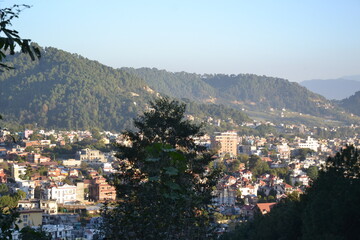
(164, 186)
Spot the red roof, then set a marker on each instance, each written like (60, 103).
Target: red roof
(265, 207)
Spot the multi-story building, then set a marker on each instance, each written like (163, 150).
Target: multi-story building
(18, 170)
(30, 217)
(80, 193)
(27, 186)
(47, 206)
(100, 190)
(309, 143)
(226, 142)
(283, 150)
(37, 158)
(61, 193)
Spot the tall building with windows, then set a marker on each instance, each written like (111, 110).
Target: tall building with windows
(226, 143)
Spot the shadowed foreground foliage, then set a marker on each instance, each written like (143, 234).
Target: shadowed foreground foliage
(164, 189)
(328, 210)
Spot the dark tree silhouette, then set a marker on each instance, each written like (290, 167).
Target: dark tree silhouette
(164, 187)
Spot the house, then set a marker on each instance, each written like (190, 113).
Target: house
(28, 186)
(283, 150)
(30, 217)
(228, 180)
(100, 190)
(62, 193)
(71, 163)
(246, 174)
(248, 189)
(48, 206)
(59, 231)
(74, 173)
(90, 156)
(265, 208)
(17, 170)
(309, 143)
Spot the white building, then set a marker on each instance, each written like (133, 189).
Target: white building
(249, 190)
(310, 143)
(17, 171)
(28, 186)
(61, 193)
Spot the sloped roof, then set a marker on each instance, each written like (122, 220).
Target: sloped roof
(265, 207)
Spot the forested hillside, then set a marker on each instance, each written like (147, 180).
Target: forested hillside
(65, 90)
(178, 84)
(261, 93)
(249, 91)
(352, 103)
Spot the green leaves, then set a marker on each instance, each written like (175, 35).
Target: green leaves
(12, 38)
(165, 187)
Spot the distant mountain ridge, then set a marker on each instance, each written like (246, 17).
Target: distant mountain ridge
(334, 88)
(242, 91)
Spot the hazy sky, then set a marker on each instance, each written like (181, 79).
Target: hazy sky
(292, 39)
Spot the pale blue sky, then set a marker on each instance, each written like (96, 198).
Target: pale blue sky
(292, 39)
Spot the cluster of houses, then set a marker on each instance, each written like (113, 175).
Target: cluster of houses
(58, 192)
(242, 195)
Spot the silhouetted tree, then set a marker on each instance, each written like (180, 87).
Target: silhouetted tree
(163, 186)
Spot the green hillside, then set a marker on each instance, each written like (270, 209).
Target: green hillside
(68, 91)
(178, 84)
(248, 91)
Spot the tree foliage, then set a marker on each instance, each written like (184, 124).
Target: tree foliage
(164, 188)
(10, 38)
(7, 222)
(30, 233)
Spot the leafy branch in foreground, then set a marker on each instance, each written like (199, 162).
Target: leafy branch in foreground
(10, 38)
